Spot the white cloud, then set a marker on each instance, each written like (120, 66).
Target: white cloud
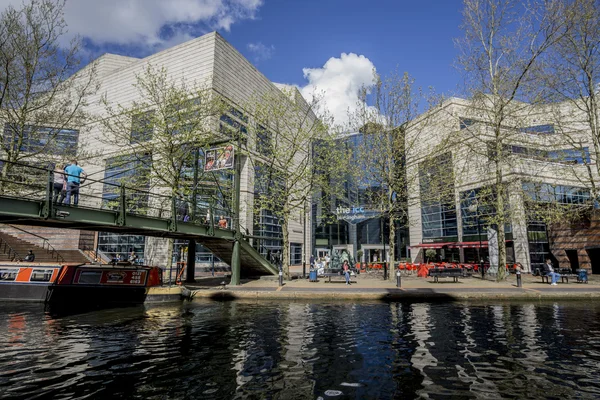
(140, 22)
(260, 52)
(339, 82)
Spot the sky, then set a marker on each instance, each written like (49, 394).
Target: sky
(327, 45)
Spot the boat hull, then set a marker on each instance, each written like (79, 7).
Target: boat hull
(84, 285)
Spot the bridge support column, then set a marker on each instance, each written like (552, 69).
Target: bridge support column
(191, 262)
(236, 264)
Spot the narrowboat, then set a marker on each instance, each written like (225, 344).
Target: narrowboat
(89, 284)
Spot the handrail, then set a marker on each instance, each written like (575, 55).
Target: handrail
(51, 250)
(89, 181)
(4, 245)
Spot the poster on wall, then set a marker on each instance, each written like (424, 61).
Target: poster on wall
(219, 158)
(493, 250)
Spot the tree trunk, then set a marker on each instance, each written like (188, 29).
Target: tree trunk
(501, 214)
(285, 255)
(392, 243)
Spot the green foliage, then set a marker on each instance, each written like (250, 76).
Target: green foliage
(41, 92)
(166, 130)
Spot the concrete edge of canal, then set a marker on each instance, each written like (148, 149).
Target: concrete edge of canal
(397, 295)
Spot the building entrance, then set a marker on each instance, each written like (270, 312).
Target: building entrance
(594, 255)
(573, 259)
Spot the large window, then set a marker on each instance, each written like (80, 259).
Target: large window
(539, 129)
(142, 127)
(115, 245)
(569, 156)
(264, 141)
(545, 192)
(232, 122)
(539, 247)
(438, 209)
(478, 209)
(266, 222)
(39, 138)
(131, 171)
(295, 253)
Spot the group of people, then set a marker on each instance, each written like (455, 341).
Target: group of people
(67, 182)
(321, 264)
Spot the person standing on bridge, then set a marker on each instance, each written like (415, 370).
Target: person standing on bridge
(75, 177)
(59, 185)
(223, 222)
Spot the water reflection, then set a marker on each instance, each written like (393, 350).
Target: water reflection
(245, 350)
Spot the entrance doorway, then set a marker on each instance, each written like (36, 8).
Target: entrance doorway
(594, 255)
(321, 253)
(573, 259)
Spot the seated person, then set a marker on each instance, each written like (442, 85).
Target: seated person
(549, 271)
(132, 257)
(30, 256)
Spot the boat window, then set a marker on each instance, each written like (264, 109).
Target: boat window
(41, 275)
(89, 277)
(8, 274)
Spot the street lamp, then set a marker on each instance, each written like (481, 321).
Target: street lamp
(474, 207)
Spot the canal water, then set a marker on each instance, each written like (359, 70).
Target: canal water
(299, 350)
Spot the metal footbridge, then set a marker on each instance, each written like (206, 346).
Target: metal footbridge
(27, 197)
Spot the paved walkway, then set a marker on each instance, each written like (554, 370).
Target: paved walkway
(412, 287)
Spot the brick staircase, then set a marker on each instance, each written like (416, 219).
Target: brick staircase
(21, 247)
(42, 254)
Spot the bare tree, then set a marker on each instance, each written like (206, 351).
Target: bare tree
(293, 154)
(42, 98)
(166, 132)
(385, 113)
(572, 79)
(500, 53)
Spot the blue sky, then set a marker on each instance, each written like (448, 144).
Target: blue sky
(415, 36)
(299, 42)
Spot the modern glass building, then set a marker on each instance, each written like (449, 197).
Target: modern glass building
(355, 220)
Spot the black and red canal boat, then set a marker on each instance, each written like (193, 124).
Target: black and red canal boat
(77, 284)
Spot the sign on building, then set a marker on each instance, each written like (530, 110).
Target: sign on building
(354, 215)
(219, 158)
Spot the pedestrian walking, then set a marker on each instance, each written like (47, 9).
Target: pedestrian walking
(75, 177)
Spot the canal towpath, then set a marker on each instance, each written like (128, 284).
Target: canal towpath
(373, 287)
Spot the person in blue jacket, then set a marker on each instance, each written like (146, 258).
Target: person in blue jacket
(75, 177)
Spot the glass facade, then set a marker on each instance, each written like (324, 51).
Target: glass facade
(539, 129)
(142, 127)
(438, 209)
(547, 193)
(568, 156)
(477, 211)
(39, 138)
(117, 245)
(295, 253)
(266, 222)
(131, 171)
(539, 246)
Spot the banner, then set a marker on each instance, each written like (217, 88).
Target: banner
(219, 158)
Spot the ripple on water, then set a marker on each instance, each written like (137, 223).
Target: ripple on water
(303, 350)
